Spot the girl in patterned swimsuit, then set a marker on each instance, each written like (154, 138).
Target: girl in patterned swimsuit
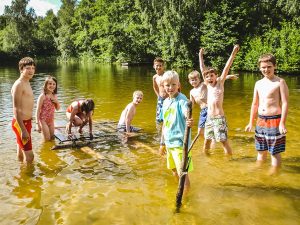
(46, 105)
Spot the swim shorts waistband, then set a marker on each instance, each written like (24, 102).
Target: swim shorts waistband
(269, 117)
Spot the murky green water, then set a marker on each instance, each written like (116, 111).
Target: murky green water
(71, 187)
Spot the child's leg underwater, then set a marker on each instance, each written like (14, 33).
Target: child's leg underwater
(227, 148)
(206, 146)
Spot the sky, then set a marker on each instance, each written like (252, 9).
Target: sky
(40, 6)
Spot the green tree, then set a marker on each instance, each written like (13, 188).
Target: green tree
(17, 38)
(283, 43)
(65, 31)
(219, 32)
(46, 34)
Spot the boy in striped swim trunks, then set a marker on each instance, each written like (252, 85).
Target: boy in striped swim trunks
(270, 101)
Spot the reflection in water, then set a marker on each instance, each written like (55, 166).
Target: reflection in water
(129, 183)
(29, 185)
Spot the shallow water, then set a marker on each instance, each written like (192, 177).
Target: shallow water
(131, 184)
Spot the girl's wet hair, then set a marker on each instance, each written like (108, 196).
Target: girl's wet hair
(48, 78)
(88, 105)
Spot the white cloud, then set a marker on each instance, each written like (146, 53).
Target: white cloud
(3, 3)
(40, 6)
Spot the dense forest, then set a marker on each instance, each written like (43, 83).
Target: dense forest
(140, 30)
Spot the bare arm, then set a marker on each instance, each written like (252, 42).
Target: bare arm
(91, 122)
(201, 62)
(192, 99)
(155, 86)
(229, 63)
(56, 102)
(162, 147)
(284, 94)
(72, 116)
(38, 111)
(253, 112)
(232, 77)
(129, 116)
(17, 95)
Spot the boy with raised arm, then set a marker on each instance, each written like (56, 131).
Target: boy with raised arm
(216, 125)
(270, 101)
(175, 120)
(23, 101)
(128, 113)
(198, 96)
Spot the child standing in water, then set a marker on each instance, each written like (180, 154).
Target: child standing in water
(23, 101)
(175, 108)
(46, 105)
(216, 125)
(79, 113)
(158, 65)
(128, 113)
(198, 95)
(270, 101)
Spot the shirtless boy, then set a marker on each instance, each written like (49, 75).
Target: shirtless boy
(23, 101)
(270, 101)
(198, 96)
(216, 125)
(158, 65)
(128, 113)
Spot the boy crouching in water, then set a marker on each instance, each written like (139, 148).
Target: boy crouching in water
(174, 113)
(270, 101)
(128, 113)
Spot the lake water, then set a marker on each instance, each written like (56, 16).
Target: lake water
(71, 187)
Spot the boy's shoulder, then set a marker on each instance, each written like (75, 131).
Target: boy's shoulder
(130, 105)
(18, 84)
(181, 96)
(156, 76)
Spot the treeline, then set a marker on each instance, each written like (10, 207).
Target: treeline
(139, 30)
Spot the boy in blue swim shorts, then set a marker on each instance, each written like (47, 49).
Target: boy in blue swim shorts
(270, 101)
(158, 65)
(174, 122)
(198, 95)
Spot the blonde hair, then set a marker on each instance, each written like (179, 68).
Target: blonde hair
(138, 92)
(170, 75)
(194, 74)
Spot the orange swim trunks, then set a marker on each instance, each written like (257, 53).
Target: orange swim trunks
(26, 146)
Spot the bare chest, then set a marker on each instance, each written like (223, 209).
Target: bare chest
(268, 90)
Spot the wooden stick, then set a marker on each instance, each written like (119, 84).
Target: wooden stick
(193, 142)
(183, 173)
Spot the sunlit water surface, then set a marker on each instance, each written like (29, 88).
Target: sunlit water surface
(71, 187)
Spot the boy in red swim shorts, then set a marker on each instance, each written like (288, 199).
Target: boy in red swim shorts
(270, 102)
(23, 101)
